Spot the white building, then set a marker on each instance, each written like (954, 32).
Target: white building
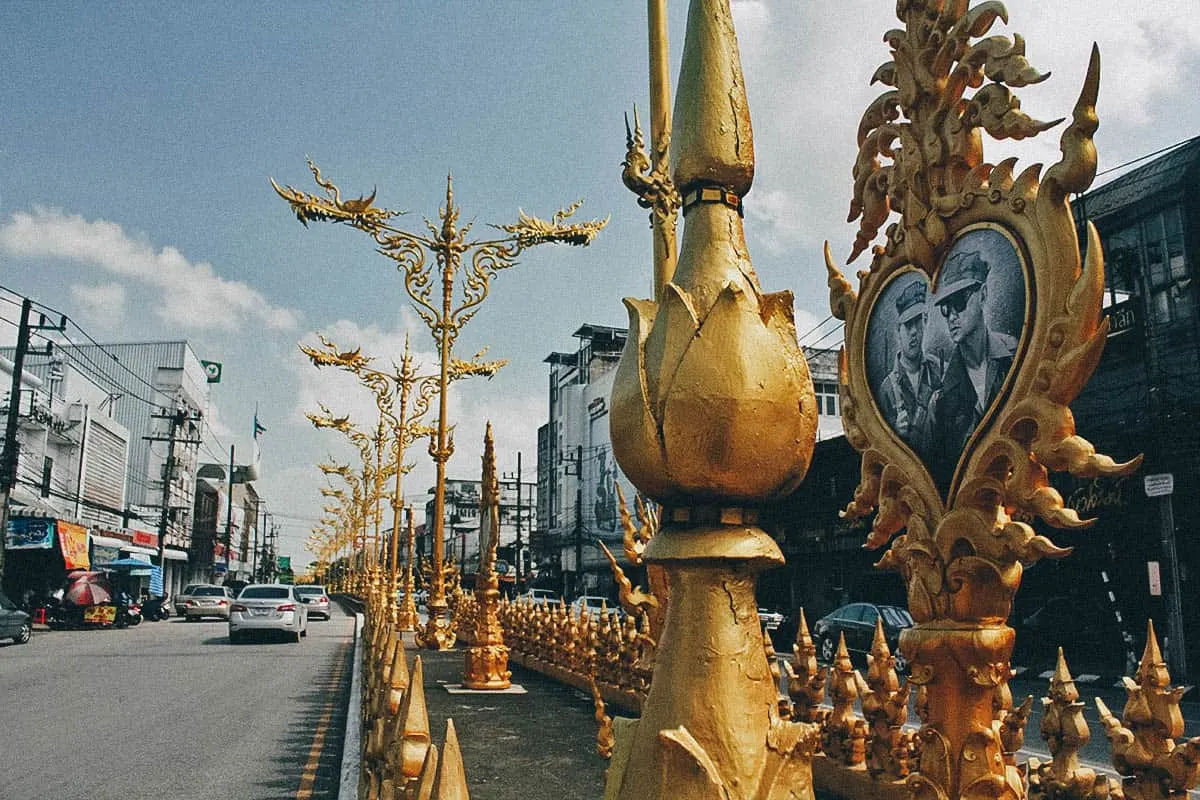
(460, 526)
(142, 387)
(577, 473)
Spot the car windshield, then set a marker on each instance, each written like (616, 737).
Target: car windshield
(265, 593)
(190, 588)
(896, 617)
(208, 591)
(310, 590)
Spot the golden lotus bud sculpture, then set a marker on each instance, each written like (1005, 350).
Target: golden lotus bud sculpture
(713, 417)
(975, 326)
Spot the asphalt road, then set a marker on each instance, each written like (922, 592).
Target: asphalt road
(172, 710)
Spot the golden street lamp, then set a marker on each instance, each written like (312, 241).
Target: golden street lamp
(418, 256)
(374, 471)
(351, 515)
(392, 393)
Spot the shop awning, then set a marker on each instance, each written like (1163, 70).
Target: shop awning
(108, 541)
(175, 555)
(134, 549)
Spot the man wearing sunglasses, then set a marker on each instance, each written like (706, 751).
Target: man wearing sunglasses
(979, 362)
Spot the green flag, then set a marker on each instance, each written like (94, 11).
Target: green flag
(212, 371)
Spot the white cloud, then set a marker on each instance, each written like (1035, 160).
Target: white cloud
(192, 295)
(102, 304)
(807, 71)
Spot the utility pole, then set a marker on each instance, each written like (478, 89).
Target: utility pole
(177, 418)
(578, 520)
(8, 461)
(229, 519)
(518, 546)
(520, 571)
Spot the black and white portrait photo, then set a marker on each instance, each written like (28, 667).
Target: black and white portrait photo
(937, 358)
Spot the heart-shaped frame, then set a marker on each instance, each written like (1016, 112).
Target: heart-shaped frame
(939, 361)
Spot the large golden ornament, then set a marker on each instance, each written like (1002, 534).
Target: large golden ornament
(713, 417)
(987, 262)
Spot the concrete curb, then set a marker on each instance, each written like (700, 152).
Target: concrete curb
(352, 743)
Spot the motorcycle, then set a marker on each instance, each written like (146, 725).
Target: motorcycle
(128, 615)
(156, 608)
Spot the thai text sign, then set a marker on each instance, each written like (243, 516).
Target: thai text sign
(73, 540)
(101, 614)
(30, 533)
(1159, 485)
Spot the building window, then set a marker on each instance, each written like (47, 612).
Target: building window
(1152, 249)
(827, 398)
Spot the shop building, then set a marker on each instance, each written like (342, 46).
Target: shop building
(460, 528)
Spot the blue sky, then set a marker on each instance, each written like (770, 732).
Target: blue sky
(136, 142)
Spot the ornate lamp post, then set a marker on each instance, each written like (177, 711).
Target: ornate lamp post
(393, 392)
(418, 256)
(375, 473)
(353, 512)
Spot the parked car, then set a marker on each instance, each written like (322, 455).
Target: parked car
(317, 598)
(420, 596)
(769, 620)
(15, 624)
(268, 607)
(594, 605)
(183, 596)
(857, 622)
(207, 601)
(539, 597)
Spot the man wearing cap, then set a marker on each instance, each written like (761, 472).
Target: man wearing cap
(977, 367)
(906, 393)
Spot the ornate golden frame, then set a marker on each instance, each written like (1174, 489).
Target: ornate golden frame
(962, 556)
(892, 270)
(943, 188)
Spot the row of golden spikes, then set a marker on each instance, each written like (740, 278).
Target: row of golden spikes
(399, 759)
(580, 648)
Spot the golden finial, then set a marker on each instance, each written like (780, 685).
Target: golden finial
(712, 141)
(452, 778)
(412, 725)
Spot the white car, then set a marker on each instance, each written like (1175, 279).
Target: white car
(268, 607)
(594, 604)
(540, 597)
(317, 598)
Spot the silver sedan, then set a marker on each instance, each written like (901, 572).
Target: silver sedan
(268, 607)
(317, 599)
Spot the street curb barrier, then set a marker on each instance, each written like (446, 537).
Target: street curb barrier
(352, 742)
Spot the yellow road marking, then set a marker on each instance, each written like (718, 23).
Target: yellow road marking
(309, 776)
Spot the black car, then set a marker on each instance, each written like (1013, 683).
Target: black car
(15, 624)
(857, 622)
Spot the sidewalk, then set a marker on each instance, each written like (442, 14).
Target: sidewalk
(535, 746)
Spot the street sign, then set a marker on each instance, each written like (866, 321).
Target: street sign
(1159, 485)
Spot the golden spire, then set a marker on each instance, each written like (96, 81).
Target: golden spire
(412, 725)
(452, 778)
(712, 143)
(399, 679)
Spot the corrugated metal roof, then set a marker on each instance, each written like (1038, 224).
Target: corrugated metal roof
(1162, 174)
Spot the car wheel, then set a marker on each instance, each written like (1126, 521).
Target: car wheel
(828, 649)
(24, 634)
(304, 632)
(235, 637)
